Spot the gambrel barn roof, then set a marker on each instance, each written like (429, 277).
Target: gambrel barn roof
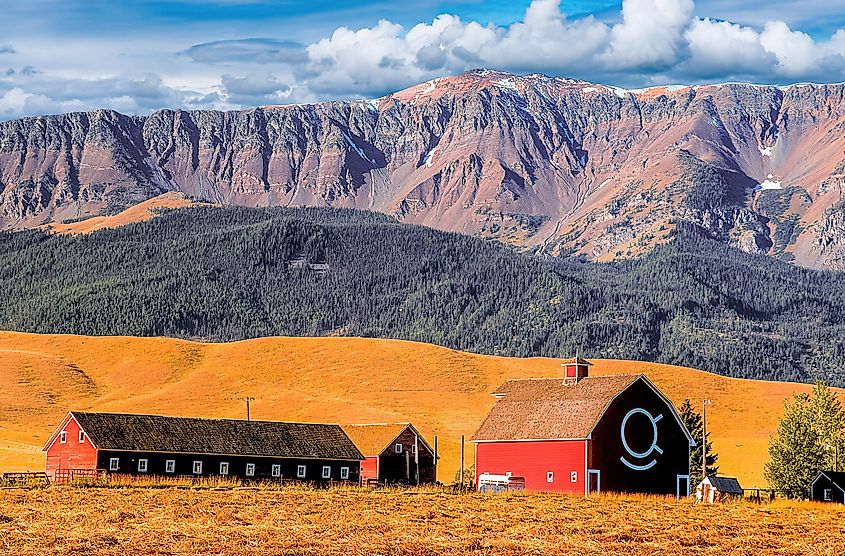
(373, 439)
(549, 409)
(156, 433)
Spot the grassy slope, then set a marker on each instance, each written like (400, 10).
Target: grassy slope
(137, 213)
(344, 380)
(361, 522)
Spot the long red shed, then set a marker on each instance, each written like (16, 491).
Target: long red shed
(582, 434)
(86, 444)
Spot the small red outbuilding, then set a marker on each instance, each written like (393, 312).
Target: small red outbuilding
(395, 453)
(583, 434)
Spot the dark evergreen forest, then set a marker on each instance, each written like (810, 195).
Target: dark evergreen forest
(233, 273)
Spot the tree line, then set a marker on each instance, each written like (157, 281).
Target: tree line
(223, 274)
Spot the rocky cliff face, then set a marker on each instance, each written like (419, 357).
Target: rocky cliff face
(557, 165)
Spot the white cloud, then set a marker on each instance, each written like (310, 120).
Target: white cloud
(655, 41)
(720, 48)
(650, 34)
(796, 52)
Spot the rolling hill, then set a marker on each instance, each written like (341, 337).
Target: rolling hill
(548, 164)
(346, 380)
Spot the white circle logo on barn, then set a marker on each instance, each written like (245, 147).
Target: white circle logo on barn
(640, 464)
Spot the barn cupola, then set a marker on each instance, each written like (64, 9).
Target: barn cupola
(575, 369)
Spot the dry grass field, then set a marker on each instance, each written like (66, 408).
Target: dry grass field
(136, 213)
(335, 380)
(299, 521)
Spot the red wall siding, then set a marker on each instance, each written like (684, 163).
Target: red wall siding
(72, 454)
(532, 460)
(369, 469)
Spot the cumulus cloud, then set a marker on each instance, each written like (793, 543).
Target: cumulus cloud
(653, 42)
(656, 41)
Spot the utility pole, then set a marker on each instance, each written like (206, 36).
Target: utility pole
(704, 439)
(417, 459)
(248, 399)
(462, 462)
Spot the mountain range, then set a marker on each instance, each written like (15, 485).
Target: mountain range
(550, 165)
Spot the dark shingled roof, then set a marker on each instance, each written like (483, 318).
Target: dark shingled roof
(546, 408)
(156, 433)
(725, 484)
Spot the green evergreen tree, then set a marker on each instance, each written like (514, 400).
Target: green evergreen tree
(809, 438)
(692, 420)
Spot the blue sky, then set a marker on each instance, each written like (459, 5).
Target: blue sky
(138, 56)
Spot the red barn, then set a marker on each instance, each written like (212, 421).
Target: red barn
(86, 444)
(583, 434)
(394, 452)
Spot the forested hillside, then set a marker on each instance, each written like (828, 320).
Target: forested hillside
(234, 273)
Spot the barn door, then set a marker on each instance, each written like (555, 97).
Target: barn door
(593, 481)
(682, 486)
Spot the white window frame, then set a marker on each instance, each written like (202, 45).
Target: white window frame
(827, 494)
(398, 448)
(224, 467)
(114, 464)
(250, 470)
(170, 466)
(301, 471)
(63, 437)
(276, 470)
(550, 476)
(344, 473)
(81, 436)
(143, 465)
(196, 468)
(327, 472)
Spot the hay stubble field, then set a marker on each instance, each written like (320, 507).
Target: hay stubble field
(302, 521)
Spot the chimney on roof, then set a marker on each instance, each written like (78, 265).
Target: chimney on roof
(575, 369)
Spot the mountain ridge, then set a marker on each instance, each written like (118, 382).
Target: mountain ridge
(552, 165)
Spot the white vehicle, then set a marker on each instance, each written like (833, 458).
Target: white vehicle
(487, 482)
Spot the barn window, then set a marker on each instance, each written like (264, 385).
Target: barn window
(250, 469)
(828, 494)
(398, 448)
(114, 464)
(327, 472)
(550, 476)
(573, 476)
(344, 473)
(224, 467)
(81, 436)
(413, 448)
(170, 466)
(142, 465)
(197, 468)
(300, 471)
(63, 437)
(276, 470)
